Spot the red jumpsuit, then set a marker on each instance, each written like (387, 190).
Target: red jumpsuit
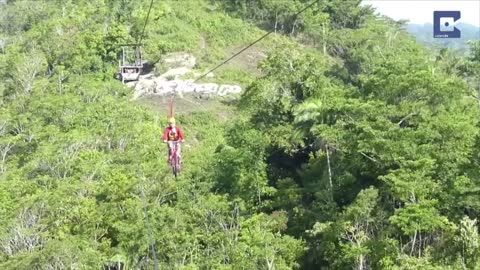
(172, 134)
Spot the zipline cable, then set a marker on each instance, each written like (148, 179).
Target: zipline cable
(255, 42)
(146, 22)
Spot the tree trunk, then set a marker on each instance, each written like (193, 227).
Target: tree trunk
(413, 243)
(323, 37)
(276, 21)
(361, 262)
(293, 28)
(329, 171)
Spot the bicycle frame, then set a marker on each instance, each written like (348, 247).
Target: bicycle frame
(174, 159)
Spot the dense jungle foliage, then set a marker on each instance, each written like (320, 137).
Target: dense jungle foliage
(353, 147)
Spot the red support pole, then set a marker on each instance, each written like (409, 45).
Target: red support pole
(171, 108)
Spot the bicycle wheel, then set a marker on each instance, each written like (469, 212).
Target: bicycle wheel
(173, 162)
(177, 164)
(174, 171)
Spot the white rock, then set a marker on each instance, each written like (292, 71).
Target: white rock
(161, 85)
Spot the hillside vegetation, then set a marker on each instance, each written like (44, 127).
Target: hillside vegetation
(424, 34)
(352, 146)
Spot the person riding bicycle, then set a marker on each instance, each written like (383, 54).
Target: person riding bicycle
(171, 135)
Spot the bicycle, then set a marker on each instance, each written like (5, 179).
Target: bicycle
(173, 158)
